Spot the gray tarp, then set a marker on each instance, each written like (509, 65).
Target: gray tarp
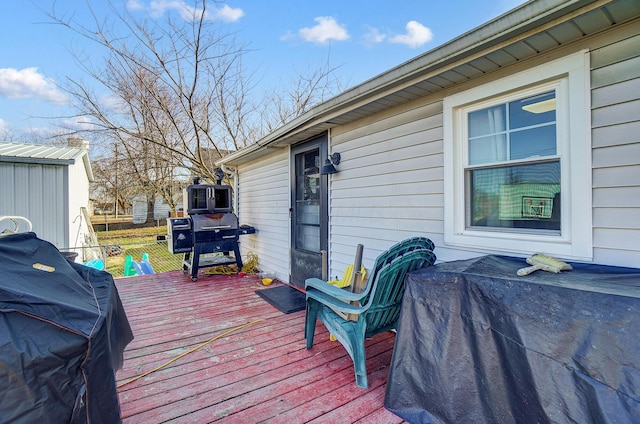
(63, 331)
(477, 344)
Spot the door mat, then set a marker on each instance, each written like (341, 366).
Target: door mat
(285, 298)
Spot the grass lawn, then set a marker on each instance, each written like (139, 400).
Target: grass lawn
(135, 242)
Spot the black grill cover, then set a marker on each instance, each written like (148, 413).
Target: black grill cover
(478, 344)
(63, 331)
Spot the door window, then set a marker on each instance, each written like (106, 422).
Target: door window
(307, 198)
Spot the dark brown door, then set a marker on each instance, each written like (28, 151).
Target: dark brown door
(309, 220)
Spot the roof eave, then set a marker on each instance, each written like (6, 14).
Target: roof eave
(502, 29)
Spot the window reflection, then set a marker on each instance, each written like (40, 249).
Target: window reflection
(515, 130)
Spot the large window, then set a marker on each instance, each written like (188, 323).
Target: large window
(517, 163)
(513, 167)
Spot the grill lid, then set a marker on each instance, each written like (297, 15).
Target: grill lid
(214, 222)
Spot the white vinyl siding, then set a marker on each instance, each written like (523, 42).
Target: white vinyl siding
(615, 77)
(263, 192)
(390, 183)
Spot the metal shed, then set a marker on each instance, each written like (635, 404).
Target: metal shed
(49, 185)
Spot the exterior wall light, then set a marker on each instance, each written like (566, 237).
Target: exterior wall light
(329, 164)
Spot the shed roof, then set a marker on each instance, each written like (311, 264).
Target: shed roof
(44, 154)
(529, 30)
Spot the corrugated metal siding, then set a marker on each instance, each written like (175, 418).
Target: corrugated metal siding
(615, 81)
(38, 153)
(263, 202)
(390, 184)
(35, 183)
(37, 192)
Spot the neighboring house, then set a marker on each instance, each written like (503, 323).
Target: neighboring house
(520, 136)
(49, 185)
(161, 209)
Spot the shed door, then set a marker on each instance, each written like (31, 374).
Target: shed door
(309, 220)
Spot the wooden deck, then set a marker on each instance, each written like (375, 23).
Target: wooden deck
(259, 373)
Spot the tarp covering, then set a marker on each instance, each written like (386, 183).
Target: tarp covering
(478, 344)
(63, 331)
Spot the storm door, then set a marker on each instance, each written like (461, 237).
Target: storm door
(309, 220)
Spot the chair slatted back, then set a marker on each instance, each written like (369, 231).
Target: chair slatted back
(400, 249)
(384, 300)
(394, 252)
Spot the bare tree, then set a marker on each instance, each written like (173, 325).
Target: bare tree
(107, 191)
(302, 92)
(159, 85)
(172, 92)
(6, 134)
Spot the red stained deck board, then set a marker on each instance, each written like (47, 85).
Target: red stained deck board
(299, 390)
(260, 373)
(380, 415)
(255, 374)
(214, 352)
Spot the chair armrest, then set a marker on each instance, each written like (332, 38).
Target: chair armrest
(332, 290)
(333, 302)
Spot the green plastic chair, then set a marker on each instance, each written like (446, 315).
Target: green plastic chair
(375, 310)
(401, 248)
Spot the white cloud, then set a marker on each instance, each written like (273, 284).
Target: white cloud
(112, 101)
(373, 36)
(79, 123)
(157, 8)
(416, 35)
(4, 128)
(135, 5)
(229, 14)
(327, 29)
(28, 83)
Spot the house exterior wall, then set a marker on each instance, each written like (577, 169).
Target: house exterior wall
(393, 186)
(390, 184)
(615, 103)
(263, 202)
(391, 180)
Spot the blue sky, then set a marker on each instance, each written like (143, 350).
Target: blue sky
(361, 38)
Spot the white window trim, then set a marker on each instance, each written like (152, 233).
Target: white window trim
(574, 124)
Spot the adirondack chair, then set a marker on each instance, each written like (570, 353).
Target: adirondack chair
(401, 248)
(376, 309)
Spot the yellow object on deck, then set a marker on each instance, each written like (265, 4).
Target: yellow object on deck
(347, 277)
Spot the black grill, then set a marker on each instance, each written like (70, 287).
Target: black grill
(214, 235)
